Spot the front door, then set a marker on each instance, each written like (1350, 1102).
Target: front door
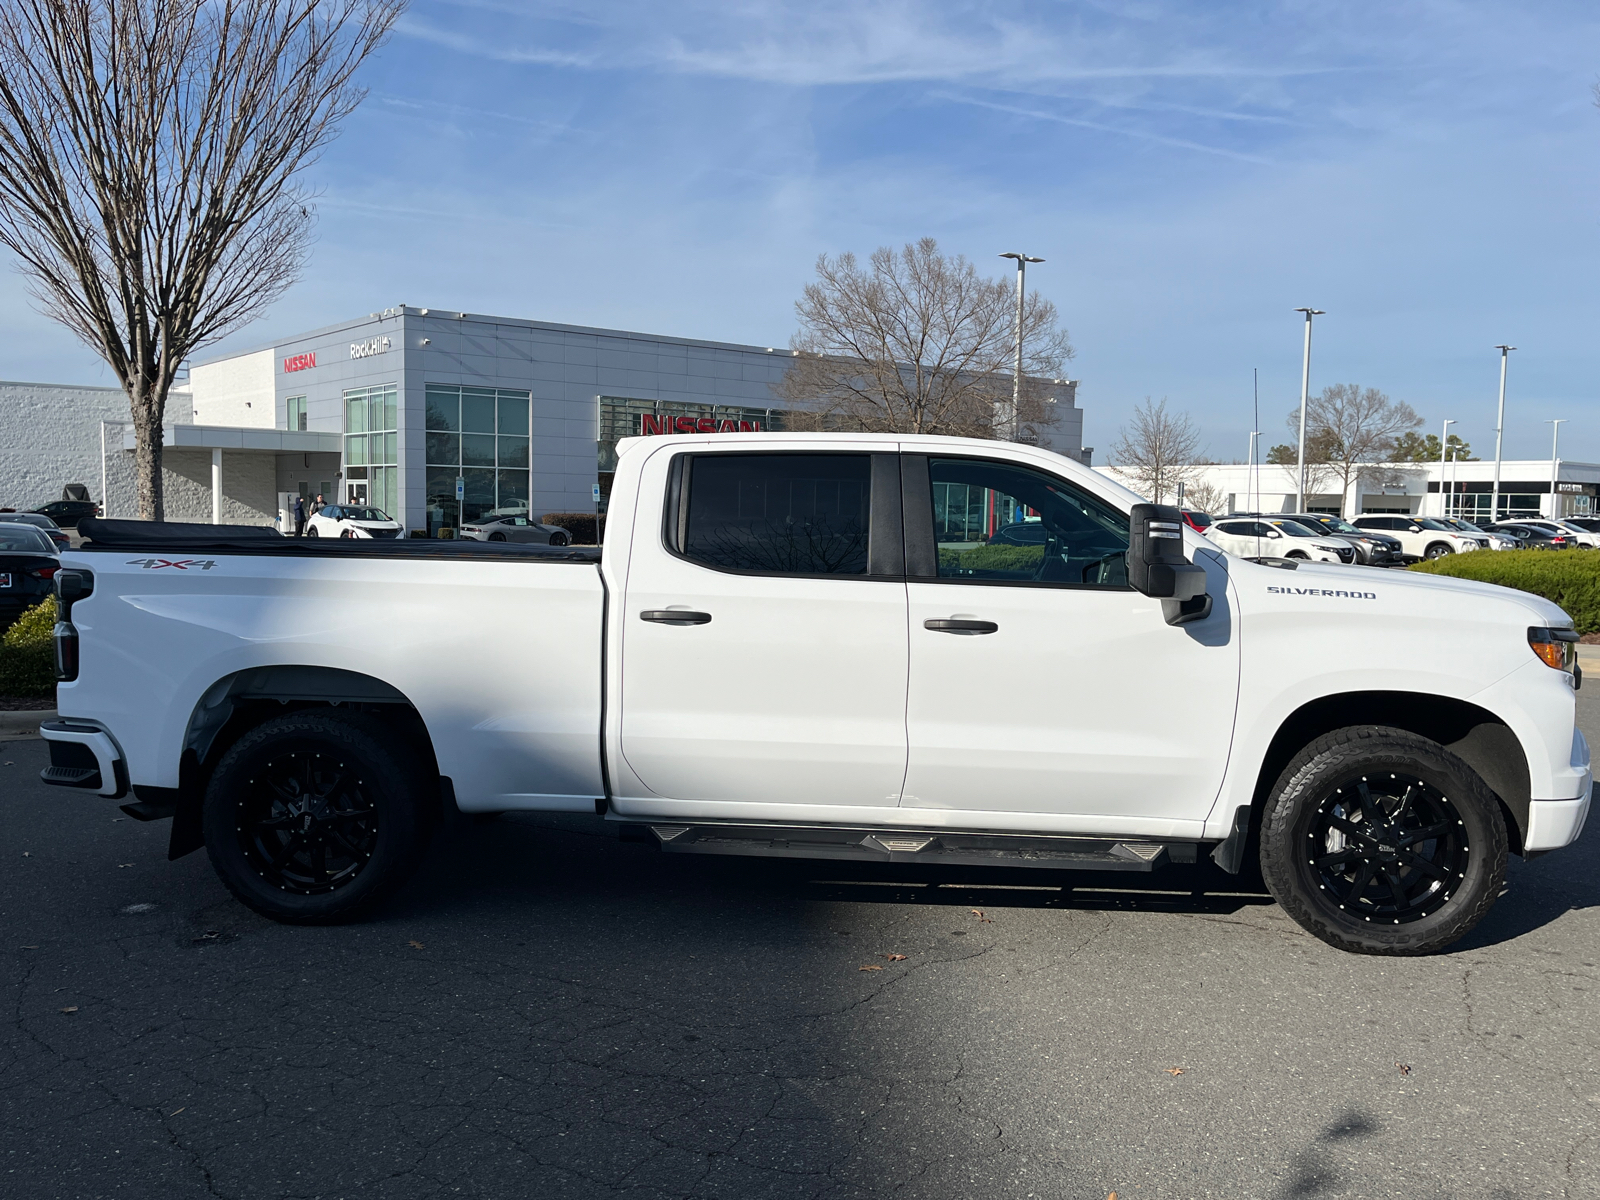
(355, 492)
(1039, 681)
(764, 633)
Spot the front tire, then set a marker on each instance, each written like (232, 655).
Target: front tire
(1437, 550)
(558, 539)
(318, 816)
(312, 532)
(1379, 841)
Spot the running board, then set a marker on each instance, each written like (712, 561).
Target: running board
(951, 849)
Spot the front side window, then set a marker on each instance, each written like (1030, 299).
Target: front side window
(790, 514)
(1001, 522)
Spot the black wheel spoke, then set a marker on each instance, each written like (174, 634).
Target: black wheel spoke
(1363, 879)
(1424, 865)
(1350, 828)
(1337, 857)
(1412, 837)
(1397, 890)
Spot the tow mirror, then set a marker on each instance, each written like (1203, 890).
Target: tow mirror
(1158, 567)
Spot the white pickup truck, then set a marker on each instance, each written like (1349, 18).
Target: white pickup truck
(880, 648)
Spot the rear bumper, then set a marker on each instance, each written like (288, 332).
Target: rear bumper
(74, 746)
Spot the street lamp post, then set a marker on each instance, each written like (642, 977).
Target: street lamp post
(1499, 431)
(1555, 468)
(1008, 427)
(1444, 442)
(1305, 399)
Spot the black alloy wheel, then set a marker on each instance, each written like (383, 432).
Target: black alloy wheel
(319, 815)
(497, 537)
(1379, 841)
(306, 822)
(558, 539)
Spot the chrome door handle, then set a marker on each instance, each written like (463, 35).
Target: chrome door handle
(957, 625)
(675, 616)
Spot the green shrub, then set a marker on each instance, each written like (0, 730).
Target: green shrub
(992, 557)
(27, 653)
(1570, 578)
(580, 525)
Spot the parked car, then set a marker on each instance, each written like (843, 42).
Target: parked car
(1275, 537)
(42, 523)
(515, 529)
(1197, 521)
(1587, 539)
(1535, 536)
(1426, 537)
(778, 654)
(352, 521)
(28, 564)
(1373, 549)
(1589, 524)
(1497, 541)
(67, 513)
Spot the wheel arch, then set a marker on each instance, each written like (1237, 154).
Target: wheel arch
(1473, 734)
(1442, 547)
(238, 702)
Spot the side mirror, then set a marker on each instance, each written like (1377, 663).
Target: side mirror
(1414, 529)
(1158, 567)
(1273, 533)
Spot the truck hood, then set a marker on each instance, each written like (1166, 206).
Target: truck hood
(1427, 597)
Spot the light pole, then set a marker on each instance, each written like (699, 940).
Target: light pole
(1499, 431)
(1555, 440)
(1305, 399)
(1444, 442)
(1008, 427)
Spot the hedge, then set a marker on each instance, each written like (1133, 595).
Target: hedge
(580, 525)
(28, 654)
(1570, 578)
(992, 556)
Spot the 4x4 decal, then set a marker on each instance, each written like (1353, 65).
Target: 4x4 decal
(181, 564)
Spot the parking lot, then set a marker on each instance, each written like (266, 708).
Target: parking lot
(549, 1012)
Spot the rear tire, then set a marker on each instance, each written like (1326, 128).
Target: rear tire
(318, 816)
(1343, 848)
(497, 537)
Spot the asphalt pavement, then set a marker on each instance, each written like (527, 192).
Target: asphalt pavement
(550, 1013)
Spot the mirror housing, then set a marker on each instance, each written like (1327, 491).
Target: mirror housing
(1274, 533)
(1157, 564)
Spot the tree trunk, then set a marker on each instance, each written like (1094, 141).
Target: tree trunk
(148, 404)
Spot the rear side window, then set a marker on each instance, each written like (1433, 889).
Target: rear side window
(789, 514)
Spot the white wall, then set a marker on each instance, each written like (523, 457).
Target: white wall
(237, 392)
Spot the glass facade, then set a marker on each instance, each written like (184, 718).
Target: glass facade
(483, 436)
(625, 417)
(371, 434)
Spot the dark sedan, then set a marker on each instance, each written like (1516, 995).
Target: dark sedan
(1534, 537)
(67, 513)
(43, 524)
(28, 566)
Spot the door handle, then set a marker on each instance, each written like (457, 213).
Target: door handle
(675, 616)
(957, 625)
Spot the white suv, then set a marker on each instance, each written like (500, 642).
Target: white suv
(1425, 537)
(1274, 537)
(352, 521)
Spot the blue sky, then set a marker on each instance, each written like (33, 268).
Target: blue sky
(1428, 172)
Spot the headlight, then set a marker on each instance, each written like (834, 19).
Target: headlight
(1556, 648)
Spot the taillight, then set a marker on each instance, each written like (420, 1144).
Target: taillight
(1556, 648)
(66, 639)
(44, 572)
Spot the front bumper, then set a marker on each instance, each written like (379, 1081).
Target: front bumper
(1555, 823)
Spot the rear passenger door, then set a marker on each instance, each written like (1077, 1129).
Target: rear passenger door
(764, 635)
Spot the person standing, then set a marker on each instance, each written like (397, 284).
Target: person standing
(317, 505)
(299, 516)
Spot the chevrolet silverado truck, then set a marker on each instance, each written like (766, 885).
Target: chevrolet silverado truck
(815, 646)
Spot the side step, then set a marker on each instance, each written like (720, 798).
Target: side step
(952, 849)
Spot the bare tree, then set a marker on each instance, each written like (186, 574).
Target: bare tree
(918, 342)
(1156, 449)
(1201, 495)
(148, 155)
(1355, 427)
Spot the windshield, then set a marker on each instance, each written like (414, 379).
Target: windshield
(1293, 528)
(1431, 523)
(1336, 525)
(364, 514)
(42, 522)
(1199, 520)
(1465, 526)
(24, 539)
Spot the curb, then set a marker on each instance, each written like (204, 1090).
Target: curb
(24, 724)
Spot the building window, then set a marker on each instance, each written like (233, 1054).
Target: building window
(481, 436)
(625, 417)
(295, 418)
(371, 424)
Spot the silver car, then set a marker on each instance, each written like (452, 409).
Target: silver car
(515, 528)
